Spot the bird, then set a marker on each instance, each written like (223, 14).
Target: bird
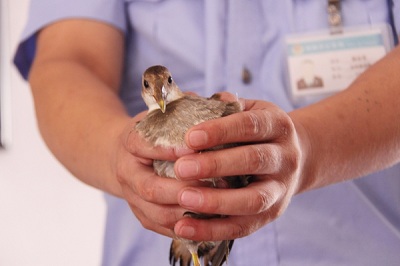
(170, 114)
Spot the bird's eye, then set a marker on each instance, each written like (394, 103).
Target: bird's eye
(170, 80)
(146, 84)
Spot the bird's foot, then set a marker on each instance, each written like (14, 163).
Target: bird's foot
(195, 259)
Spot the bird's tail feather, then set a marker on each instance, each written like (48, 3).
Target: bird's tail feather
(220, 254)
(213, 253)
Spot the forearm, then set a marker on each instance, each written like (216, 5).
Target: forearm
(80, 118)
(355, 132)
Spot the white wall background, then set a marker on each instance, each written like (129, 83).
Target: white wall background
(47, 217)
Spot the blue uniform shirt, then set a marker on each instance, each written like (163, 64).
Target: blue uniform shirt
(207, 45)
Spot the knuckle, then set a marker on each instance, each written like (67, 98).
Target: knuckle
(120, 173)
(285, 125)
(262, 201)
(217, 133)
(129, 196)
(119, 176)
(130, 141)
(242, 230)
(168, 219)
(126, 138)
(144, 221)
(278, 212)
(272, 214)
(222, 136)
(252, 123)
(146, 224)
(214, 205)
(141, 186)
(132, 148)
(255, 158)
(146, 190)
(211, 202)
(211, 165)
(262, 124)
(215, 166)
(293, 161)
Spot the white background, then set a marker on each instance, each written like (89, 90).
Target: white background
(47, 217)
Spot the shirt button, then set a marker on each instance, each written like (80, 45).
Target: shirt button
(246, 76)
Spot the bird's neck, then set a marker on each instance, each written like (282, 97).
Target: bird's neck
(174, 95)
(153, 106)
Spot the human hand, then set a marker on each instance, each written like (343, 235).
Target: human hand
(272, 154)
(153, 199)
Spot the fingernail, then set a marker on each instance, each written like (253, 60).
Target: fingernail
(188, 168)
(186, 231)
(191, 199)
(198, 138)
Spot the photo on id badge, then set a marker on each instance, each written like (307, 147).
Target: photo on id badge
(309, 78)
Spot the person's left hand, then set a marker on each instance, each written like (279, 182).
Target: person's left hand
(272, 154)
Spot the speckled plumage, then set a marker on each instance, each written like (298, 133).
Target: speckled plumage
(171, 114)
(169, 128)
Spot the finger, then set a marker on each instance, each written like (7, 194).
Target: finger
(222, 228)
(153, 188)
(253, 199)
(250, 126)
(142, 181)
(229, 97)
(255, 104)
(226, 96)
(249, 159)
(158, 218)
(139, 147)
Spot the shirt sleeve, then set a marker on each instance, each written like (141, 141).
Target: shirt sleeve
(395, 15)
(45, 12)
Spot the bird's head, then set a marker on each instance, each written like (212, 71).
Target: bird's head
(158, 88)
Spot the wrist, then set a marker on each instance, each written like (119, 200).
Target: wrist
(117, 140)
(307, 168)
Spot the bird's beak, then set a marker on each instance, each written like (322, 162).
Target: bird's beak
(161, 101)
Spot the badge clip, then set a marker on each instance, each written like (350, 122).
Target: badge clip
(335, 17)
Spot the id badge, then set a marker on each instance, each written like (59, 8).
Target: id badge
(322, 63)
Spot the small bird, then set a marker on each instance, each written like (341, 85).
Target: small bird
(171, 113)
